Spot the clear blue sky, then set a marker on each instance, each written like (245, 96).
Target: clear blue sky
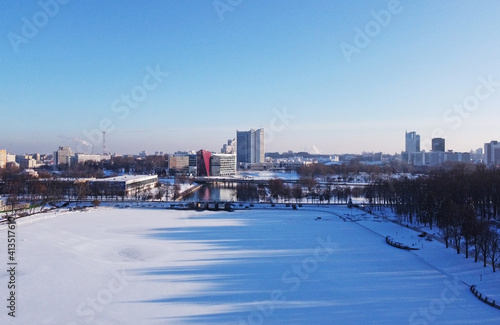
(227, 65)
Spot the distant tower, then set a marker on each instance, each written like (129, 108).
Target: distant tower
(412, 144)
(103, 143)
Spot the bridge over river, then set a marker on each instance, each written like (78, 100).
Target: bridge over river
(231, 181)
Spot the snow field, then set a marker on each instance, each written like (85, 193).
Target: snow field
(146, 266)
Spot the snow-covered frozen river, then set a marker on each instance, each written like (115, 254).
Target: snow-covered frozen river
(145, 266)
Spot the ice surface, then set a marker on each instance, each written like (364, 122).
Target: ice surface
(261, 266)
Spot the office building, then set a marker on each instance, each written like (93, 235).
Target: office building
(178, 164)
(192, 165)
(438, 145)
(203, 162)
(223, 165)
(82, 158)
(250, 146)
(412, 148)
(127, 185)
(412, 143)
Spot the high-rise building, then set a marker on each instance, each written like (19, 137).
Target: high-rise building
(229, 147)
(62, 156)
(250, 146)
(412, 148)
(412, 143)
(3, 158)
(438, 145)
(492, 153)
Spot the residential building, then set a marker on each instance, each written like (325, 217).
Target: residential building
(477, 155)
(11, 158)
(26, 161)
(492, 153)
(62, 156)
(435, 158)
(3, 158)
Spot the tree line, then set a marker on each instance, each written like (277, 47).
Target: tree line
(463, 201)
(312, 191)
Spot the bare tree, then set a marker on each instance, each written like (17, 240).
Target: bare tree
(297, 192)
(484, 238)
(494, 252)
(276, 188)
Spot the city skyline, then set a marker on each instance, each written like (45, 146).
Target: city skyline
(411, 144)
(339, 77)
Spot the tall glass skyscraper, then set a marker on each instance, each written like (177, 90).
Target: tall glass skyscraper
(250, 146)
(412, 142)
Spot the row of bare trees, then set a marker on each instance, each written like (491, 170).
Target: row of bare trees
(311, 190)
(463, 201)
(351, 168)
(144, 165)
(25, 193)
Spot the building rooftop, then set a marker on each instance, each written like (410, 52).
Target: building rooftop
(127, 178)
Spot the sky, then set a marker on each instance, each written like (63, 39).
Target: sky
(326, 76)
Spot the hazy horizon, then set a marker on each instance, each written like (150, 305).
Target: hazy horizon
(339, 76)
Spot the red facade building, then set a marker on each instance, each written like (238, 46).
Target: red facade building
(203, 162)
